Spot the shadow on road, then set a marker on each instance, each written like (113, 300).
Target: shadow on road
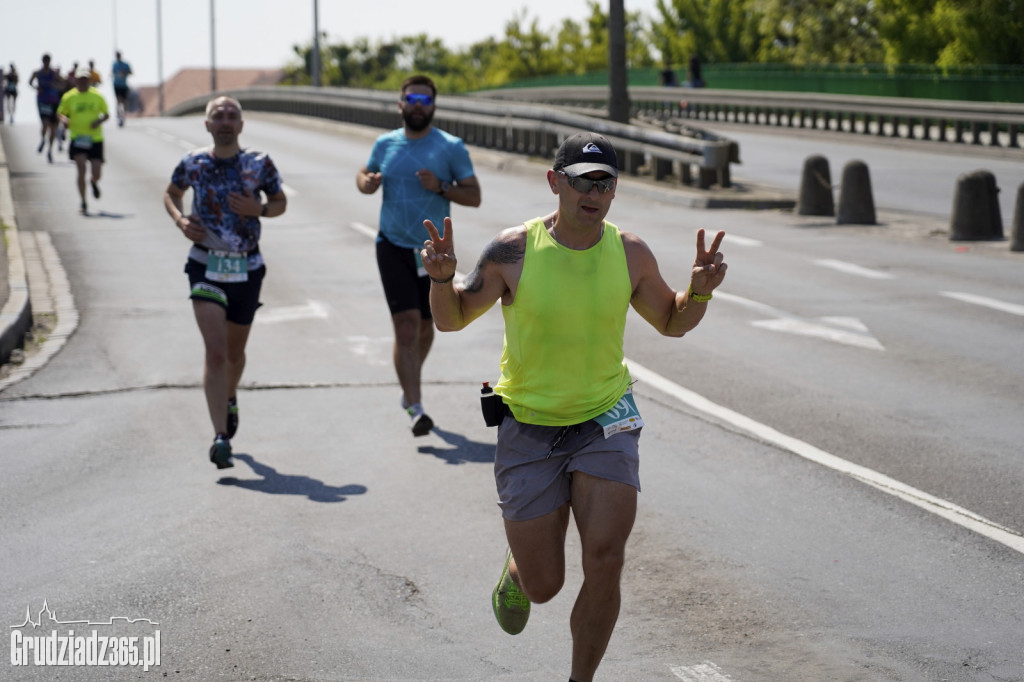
(274, 483)
(463, 450)
(106, 214)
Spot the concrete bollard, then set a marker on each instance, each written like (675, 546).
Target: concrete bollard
(816, 188)
(856, 203)
(976, 215)
(1017, 243)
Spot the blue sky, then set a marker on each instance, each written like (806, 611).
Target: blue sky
(249, 33)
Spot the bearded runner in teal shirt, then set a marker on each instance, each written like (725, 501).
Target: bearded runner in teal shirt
(570, 440)
(423, 170)
(407, 203)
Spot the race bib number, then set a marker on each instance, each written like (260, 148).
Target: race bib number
(623, 416)
(420, 270)
(227, 266)
(82, 142)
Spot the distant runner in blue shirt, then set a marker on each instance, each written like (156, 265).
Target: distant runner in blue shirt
(49, 88)
(120, 72)
(422, 170)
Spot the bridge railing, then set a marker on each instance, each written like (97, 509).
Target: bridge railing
(978, 123)
(664, 139)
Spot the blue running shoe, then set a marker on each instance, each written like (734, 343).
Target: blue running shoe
(220, 452)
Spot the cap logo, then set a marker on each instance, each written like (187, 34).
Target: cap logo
(591, 148)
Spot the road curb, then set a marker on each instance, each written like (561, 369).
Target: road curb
(16, 314)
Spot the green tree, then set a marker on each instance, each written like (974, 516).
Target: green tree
(801, 32)
(952, 32)
(528, 52)
(724, 31)
(819, 32)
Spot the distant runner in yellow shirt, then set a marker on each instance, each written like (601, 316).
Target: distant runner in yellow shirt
(83, 110)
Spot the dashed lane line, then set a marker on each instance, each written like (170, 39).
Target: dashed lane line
(853, 269)
(992, 303)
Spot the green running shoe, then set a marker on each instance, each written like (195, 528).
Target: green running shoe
(511, 606)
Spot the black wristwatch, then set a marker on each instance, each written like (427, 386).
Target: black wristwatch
(445, 188)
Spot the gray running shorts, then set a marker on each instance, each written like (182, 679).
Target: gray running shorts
(533, 465)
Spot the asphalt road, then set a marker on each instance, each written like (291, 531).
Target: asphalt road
(831, 464)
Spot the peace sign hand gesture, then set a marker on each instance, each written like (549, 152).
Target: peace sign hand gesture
(709, 267)
(438, 253)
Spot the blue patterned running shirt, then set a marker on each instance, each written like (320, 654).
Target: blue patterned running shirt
(211, 180)
(406, 203)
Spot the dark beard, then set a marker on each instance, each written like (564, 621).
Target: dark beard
(417, 121)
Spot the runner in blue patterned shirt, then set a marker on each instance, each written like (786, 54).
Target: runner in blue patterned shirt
(225, 267)
(422, 170)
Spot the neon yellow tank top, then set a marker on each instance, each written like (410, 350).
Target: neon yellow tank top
(562, 361)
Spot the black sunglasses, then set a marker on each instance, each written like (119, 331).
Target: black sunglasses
(584, 185)
(413, 99)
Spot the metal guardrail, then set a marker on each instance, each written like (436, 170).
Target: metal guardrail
(518, 127)
(979, 123)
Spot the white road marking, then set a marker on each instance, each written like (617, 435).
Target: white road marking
(364, 229)
(288, 190)
(703, 672)
(309, 310)
(852, 269)
(740, 241)
(947, 510)
(374, 350)
(846, 330)
(993, 303)
(858, 337)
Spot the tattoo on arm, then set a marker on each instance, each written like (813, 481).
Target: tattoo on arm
(474, 282)
(498, 252)
(503, 253)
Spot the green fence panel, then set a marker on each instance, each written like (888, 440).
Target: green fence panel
(988, 83)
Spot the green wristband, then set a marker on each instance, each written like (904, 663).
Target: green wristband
(699, 298)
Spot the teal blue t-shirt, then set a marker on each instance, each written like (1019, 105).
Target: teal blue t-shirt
(406, 203)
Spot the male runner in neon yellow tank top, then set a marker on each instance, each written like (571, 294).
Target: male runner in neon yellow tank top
(569, 439)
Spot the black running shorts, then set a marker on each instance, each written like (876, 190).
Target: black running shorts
(404, 287)
(239, 299)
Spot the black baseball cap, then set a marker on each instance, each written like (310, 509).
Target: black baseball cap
(584, 153)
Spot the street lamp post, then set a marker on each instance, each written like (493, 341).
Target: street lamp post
(159, 60)
(213, 51)
(618, 96)
(316, 44)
